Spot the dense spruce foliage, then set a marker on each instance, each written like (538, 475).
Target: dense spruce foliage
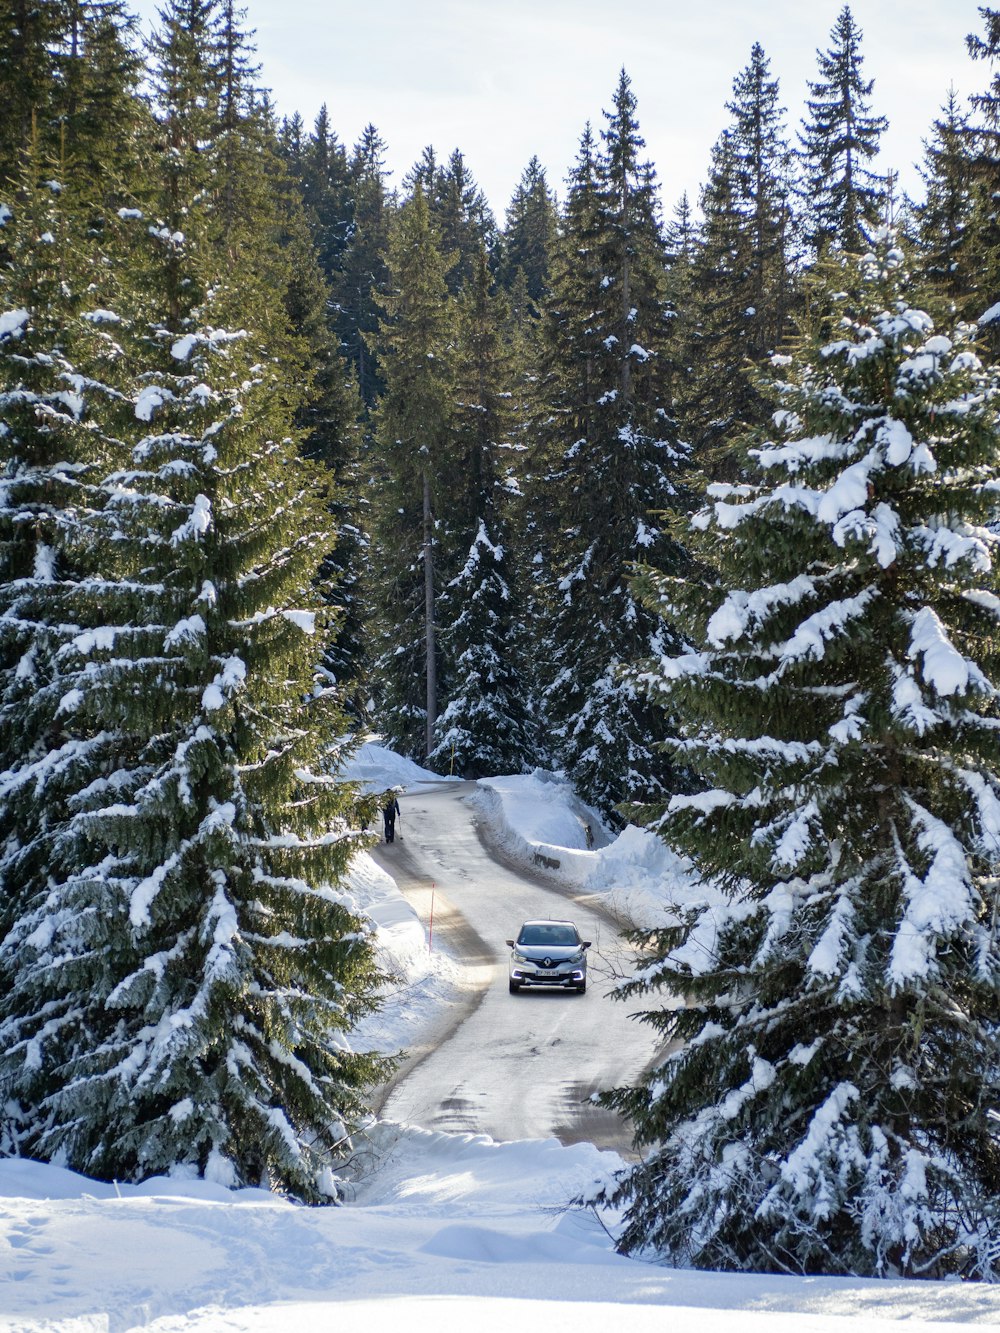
(180, 966)
(700, 512)
(829, 1102)
(411, 483)
(741, 279)
(843, 198)
(829, 1109)
(608, 458)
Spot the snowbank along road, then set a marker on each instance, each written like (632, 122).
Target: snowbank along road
(511, 1066)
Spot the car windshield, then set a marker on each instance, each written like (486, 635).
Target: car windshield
(548, 933)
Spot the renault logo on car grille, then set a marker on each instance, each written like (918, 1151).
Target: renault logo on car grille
(546, 962)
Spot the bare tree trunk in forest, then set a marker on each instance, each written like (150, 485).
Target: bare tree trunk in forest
(429, 613)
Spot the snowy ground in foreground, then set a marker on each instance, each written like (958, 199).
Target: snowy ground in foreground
(443, 1230)
(447, 1232)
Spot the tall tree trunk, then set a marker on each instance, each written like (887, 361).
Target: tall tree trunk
(429, 613)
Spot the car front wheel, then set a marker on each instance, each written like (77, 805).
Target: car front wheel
(514, 986)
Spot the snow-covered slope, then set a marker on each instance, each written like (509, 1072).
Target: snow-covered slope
(447, 1232)
(423, 984)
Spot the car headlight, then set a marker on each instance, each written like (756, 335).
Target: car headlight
(519, 957)
(577, 957)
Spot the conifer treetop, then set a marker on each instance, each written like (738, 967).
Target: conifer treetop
(839, 139)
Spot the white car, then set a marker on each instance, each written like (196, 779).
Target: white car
(548, 953)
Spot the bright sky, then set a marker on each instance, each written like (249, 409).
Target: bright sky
(502, 81)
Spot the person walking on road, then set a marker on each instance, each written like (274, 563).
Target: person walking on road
(389, 812)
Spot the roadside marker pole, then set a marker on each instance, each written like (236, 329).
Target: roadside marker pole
(430, 933)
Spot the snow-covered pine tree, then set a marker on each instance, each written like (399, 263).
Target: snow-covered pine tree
(60, 377)
(833, 1106)
(223, 963)
(26, 29)
(843, 199)
(944, 236)
(464, 219)
(681, 240)
(484, 727)
(292, 142)
(363, 273)
(50, 453)
(412, 439)
(96, 65)
(324, 172)
(607, 463)
(559, 356)
(741, 290)
(67, 71)
(985, 180)
(717, 394)
(529, 235)
(329, 418)
(530, 239)
(427, 173)
(458, 208)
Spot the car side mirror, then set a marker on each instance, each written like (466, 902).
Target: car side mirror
(510, 944)
(586, 944)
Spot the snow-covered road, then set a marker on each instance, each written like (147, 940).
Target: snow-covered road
(520, 1066)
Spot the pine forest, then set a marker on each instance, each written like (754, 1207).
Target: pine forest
(700, 508)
